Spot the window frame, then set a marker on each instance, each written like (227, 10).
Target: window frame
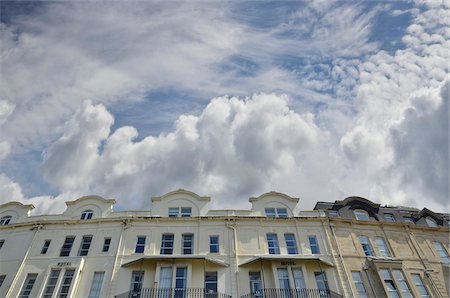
(87, 214)
(276, 212)
(431, 222)
(106, 245)
(401, 281)
(51, 282)
(211, 244)
(46, 246)
(273, 245)
(420, 285)
(389, 217)
(165, 249)
(383, 248)
(366, 244)
(359, 284)
(291, 244)
(64, 286)
(186, 250)
(213, 282)
(66, 248)
(442, 252)
(390, 281)
(5, 220)
(140, 282)
(314, 247)
(28, 285)
(85, 245)
(96, 284)
(179, 212)
(140, 244)
(360, 212)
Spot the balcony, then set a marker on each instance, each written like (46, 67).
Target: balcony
(172, 293)
(293, 293)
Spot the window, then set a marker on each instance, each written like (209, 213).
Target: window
(137, 278)
(382, 247)
(408, 219)
(2, 279)
(188, 242)
(283, 278)
(45, 247)
(214, 244)
(186, 211)
(167, 244)
(276, 212)
(313, 244)
(106, 244)
(67, 246)
(299, 279)
(96, 286)
(419, 285)
(272, 243)
(5, 220)
(389, 283)
(431, 222)
(211, 283)
(180, 282)
(389, 217)
(64, 289)
(402, 284)
(333, 213)
(87, 214)
(321, 281)
(442, 252)
(85, 245)
(359, 285)
(1, 243)
(291, 244)
(140, 245)
(180, 211)
(51, 283)
(28, 285)
(365, 243)
(165, 282)
(361, 215)
(255, 283)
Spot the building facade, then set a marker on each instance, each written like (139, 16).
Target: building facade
(182, 248)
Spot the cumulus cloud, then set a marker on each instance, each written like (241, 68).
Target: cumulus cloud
(234, 148)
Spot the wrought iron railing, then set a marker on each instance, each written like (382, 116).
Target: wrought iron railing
(292, 293)
(172, 293)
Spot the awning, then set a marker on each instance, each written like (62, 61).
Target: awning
(290, 258)
(176, 258)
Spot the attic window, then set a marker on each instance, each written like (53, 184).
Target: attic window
(361, 215)
(180, 211)
(333, 213)
(87, 214)
(276, 212)
(431, 222)
(5, 220)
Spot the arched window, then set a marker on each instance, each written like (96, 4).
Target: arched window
(87, 214)
(431, 222)
(361, 215)
(5, 220)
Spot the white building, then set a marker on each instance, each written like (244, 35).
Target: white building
(179, 248)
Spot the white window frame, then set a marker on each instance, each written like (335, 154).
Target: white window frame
(167, 249)
(185, 249)
(85, 245)
(87, 215)
(211, 244)
(97, 284)
(46, 246)
(63, 284)
(139, 245)
(442, 252)
(365, 243)
(418, 282)
(106, 246)
(382, 247)
(273, 245)
(361, 215)
(390, 281)
(291, 244)
(179, 212)
(28, 285)
(137, 274)
(313, 245)
(276, 212)
(402, 283)
(5, 220)
(66, 248)
(359, 284)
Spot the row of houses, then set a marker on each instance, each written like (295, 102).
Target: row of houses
(181, 248)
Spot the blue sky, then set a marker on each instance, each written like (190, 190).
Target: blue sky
(318, 99)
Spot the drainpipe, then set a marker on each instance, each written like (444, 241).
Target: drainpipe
(341, 259)
(125, 226)
(236, 278)
(35, 229)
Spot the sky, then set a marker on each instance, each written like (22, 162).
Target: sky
(320, 100)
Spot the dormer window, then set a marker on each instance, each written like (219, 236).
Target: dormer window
(431, 222)
(361, 215)
(389, 217)
(5, 220)
(333, 213)
(86, 214)
(276, 212)
(180, 211)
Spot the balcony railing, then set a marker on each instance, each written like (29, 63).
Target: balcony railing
(293, 293)
(173, 293)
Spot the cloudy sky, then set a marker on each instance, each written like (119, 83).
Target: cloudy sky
(317, 99)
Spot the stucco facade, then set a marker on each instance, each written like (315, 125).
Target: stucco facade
(181, 248)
